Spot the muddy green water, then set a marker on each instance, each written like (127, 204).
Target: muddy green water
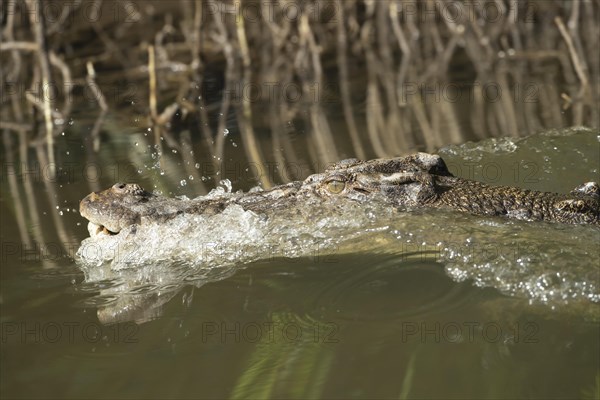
(364, 324)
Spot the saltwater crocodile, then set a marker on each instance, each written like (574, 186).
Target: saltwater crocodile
(420, 180)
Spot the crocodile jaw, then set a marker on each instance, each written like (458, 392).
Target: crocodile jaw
(96, 230)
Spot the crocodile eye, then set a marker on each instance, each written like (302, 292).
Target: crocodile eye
(119, 186)
(336, 186)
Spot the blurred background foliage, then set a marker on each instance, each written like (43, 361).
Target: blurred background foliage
(312, 80)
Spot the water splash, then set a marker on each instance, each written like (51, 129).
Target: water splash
(540, 261)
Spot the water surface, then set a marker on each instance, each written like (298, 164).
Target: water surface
(483, 307)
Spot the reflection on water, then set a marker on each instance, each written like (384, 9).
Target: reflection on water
(483, 307)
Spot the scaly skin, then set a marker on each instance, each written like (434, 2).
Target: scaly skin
(420, 180)
(477, 198)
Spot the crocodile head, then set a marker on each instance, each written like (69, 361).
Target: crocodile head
(402, 181)
(115, 208)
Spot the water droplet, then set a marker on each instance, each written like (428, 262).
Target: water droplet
(183, 182)
(225, 132)
(197, 165)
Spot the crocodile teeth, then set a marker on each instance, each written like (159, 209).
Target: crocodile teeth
(96, 230)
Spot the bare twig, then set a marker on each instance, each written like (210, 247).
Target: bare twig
(344, 86)
(579, 69)
(245, 117)
(27, 46)
(101, 100)
(152, 82)
(37, 22)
